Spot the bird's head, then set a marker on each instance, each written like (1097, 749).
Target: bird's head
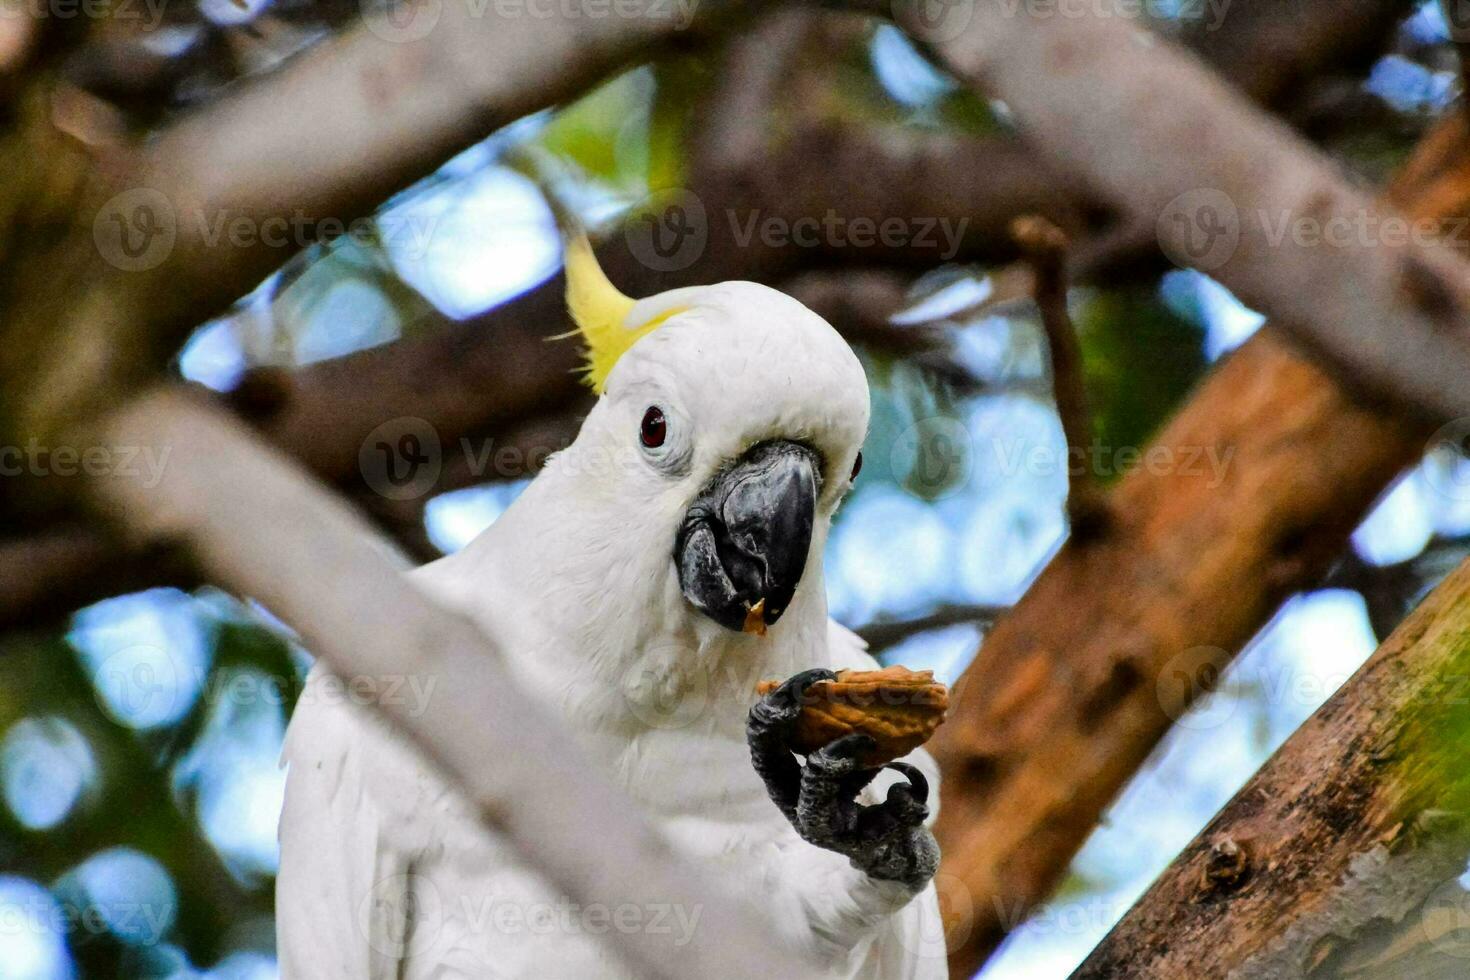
(733, 418)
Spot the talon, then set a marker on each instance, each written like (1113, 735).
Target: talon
(851, 746)
(841, 756)
(918, 782)
(780, 708)
(799, 683)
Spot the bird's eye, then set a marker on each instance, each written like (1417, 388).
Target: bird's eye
(655, 428)
(857, 467)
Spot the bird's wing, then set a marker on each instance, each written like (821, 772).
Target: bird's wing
(345, 891)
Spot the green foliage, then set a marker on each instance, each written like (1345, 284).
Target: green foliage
(1140, 359)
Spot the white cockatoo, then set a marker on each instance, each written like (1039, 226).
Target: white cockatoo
(639, 588)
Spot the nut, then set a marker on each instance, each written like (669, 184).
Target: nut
(898, 708)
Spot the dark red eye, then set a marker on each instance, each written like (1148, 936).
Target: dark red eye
(655, 428)
(857, 466)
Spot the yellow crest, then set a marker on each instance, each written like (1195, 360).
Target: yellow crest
(603, 315)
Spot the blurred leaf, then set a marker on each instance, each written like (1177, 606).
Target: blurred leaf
(681, 87)
(605, 133)
(1140, 360)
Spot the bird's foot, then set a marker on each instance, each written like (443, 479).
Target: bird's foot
(887, 840)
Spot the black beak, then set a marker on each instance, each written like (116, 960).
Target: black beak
(744, 541)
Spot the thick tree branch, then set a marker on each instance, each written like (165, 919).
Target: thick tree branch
(1358, 819)
(1238, 197)
(264, 529)
(1258, 483)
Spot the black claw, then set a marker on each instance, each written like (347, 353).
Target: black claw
(841, 755)
(796, 686)
(783, 705)
(918, 783)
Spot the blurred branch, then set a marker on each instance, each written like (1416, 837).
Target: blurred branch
(1348, 828)
(1394, 317)
(1044, 247)
(1259, 481)
(264, 529)
(371, 112)
(882, 635)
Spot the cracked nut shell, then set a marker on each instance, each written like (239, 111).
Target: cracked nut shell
(898, 708)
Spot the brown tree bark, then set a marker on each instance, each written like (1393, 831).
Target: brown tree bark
(1348, 835)
(1072, 688)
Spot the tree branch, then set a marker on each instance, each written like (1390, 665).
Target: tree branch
(1235, 198)
(1043, 246)
(883, 634)
(1351, 825)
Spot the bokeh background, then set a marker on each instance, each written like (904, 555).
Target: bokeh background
(139, 741)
